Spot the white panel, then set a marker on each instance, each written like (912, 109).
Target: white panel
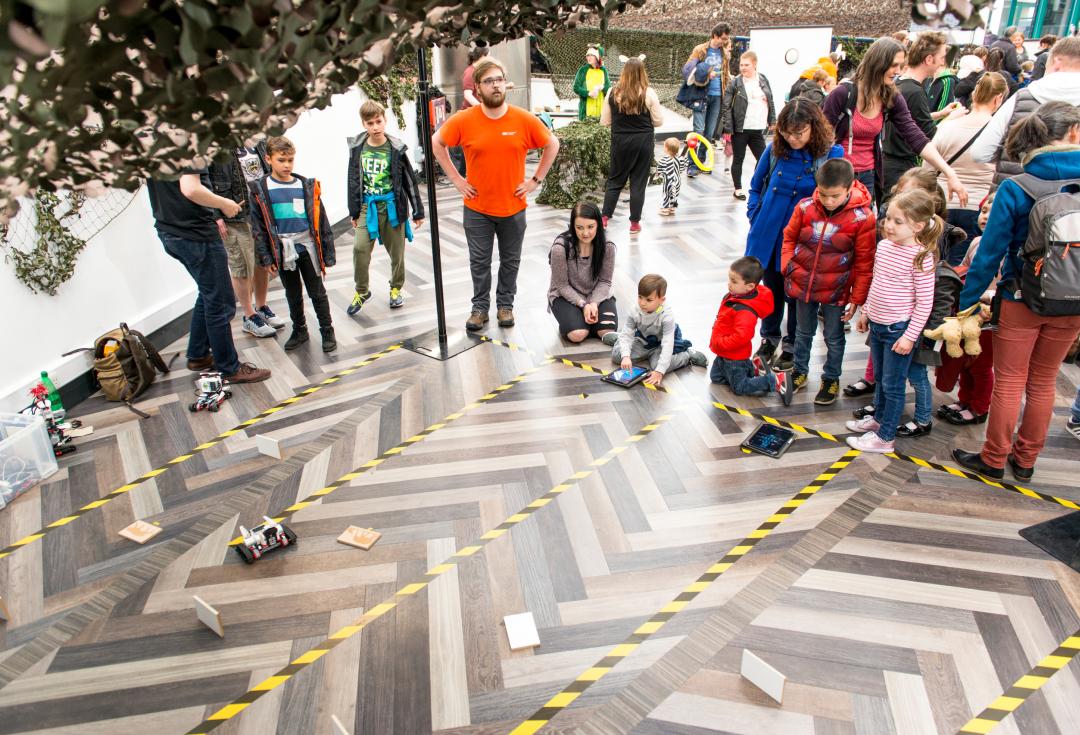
(771, 45)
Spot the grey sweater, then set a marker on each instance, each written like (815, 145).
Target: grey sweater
(659, 324)
(572, 278)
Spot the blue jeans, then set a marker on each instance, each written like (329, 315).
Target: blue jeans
(739, 376)
(706, 118)
(215, 305)
(806, 328)
(890, 376)
(924, 397)
(1076, 408)
(968, 221)
(869, 180)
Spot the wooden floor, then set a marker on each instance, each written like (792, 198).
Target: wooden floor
(896, 599)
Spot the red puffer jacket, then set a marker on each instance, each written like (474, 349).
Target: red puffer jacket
(736, 322)
(830, 260)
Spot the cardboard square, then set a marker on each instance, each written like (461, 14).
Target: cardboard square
(361, 538)
(209, 616)
(763, 676)
(81, 431)
(4, 613)
(338, 728)
(140, 532)
(521, 631)
(268, 445)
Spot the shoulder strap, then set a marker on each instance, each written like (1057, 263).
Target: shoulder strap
(1037, 188)
(967, 145)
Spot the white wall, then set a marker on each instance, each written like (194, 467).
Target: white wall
(771, 45)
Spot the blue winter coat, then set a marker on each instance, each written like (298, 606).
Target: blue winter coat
(1007, 229)
(772, 199)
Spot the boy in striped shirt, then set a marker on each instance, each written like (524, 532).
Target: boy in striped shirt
(293, 238)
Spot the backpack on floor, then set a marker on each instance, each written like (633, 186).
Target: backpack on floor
(126, 363)
(1049, 282)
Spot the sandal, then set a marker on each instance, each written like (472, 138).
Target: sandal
(859, 388)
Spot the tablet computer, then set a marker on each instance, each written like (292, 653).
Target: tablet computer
(626, 378)
(772, 441)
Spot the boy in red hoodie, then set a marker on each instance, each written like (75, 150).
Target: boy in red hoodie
(736, 323)
(828, 261)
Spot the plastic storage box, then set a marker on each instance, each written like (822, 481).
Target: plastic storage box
(26, 454)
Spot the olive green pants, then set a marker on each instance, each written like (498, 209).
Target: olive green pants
(392, 238)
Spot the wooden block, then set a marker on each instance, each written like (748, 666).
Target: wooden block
(209, 616)
(269, 446)
(763, 676)
(521, 631)
(361, 538)
(4, 614)
(81, 431)
(140, 531)
(339, 729)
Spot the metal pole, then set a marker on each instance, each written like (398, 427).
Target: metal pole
(429, 176)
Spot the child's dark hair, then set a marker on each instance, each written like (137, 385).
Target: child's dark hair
(749, 269)
(796, 115)
(652, 284)
(1048, 124)
(834, 173)
(920, 206)
(927, 180)
(588, 210)
(279, 144)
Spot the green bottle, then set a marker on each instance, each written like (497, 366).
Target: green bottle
(54, 395)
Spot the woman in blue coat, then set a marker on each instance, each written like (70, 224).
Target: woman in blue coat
(784, 176)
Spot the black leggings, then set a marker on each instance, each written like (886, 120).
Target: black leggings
(752, 139)
(631, 158)
(571, 318)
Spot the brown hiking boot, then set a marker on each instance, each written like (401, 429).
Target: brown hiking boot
(202, 363)
(506, 317)
(248, 373)
(476, 321)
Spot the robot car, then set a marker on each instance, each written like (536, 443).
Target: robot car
(265, 537)
(211, 390)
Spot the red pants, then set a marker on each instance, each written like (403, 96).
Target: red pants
(976, 375)
(1028, 350)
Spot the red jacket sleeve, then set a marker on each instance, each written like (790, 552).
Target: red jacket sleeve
(862, 271)
(791, 236)
(724, 341)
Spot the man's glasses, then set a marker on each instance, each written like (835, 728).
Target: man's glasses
(493, 82)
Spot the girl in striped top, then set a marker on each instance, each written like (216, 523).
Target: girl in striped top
(896, 309)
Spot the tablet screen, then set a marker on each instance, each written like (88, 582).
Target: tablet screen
(627, 376)
(769, 439)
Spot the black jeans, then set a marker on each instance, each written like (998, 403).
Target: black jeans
(752, 139)
(571, 318)
(770, 325)
(968, 221)
(631, 158)
(306, 275)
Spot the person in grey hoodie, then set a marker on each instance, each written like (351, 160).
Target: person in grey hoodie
(650, 332)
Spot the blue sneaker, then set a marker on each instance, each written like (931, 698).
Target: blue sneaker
(270, 317)
(357, 303)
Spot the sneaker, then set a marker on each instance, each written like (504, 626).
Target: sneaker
(206, 363)
(861, 413)
(396, 299)
(798, 380)
(1073, 427)
(605, 220)
(759, 366)
(859, 388)
(826, 396)
(255, 325)
(635, 228)
(863, 425)
(610, 338)
(329, 343)
(297, 338)
(784, 361)
(697, 358)
(248, 373)
(766, 350)
(913, 430)
(357, 304)
(476, 321)
(270, 317)
(785, 386)
(505, 317)
(870, 442)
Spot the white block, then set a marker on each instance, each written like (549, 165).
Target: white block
(339, 729)
(209, 616)
(763, 676)
(521, 631)
(268, 445)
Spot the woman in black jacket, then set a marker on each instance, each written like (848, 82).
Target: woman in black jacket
(748, 114)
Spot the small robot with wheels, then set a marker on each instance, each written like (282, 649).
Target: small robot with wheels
(266, 536)
(211, 390)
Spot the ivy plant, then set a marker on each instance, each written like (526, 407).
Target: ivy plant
(581, 168)
(51, 261)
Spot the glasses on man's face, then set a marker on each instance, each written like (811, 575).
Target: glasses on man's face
(493, 82)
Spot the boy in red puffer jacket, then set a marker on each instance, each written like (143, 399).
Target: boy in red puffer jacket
(736, 323)
(828, 260)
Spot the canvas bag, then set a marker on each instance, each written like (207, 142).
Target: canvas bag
(125, 371)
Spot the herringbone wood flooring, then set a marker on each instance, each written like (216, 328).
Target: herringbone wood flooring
(895, 600)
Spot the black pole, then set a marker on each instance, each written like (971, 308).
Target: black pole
(429, 176)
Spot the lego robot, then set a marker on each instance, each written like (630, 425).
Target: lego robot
(211, 390)
(265, 537)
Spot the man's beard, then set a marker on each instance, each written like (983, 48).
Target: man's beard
(492, 100)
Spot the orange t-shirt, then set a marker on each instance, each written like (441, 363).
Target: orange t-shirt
(495, 154)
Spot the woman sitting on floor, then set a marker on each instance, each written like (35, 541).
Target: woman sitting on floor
(582, 262)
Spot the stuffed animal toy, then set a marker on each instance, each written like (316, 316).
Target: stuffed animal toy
(964, 328)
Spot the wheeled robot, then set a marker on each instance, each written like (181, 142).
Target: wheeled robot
(211, 390)
(265, 537)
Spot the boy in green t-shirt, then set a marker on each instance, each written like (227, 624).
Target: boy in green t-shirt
(381, 189)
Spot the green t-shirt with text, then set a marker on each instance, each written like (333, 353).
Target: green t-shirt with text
(375, 165)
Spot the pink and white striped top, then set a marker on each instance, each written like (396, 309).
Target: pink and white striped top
(898, 292)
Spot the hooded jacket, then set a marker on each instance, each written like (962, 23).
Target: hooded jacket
(402, 179)
(736, 322)
(830, 259)
(264, 227)
(582, 91)
(947, 284)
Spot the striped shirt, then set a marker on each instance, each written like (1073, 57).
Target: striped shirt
(289, 210)
(898, 292)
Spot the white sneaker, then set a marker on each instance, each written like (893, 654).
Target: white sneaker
(255, 325)
(870, 442)
(863, 425)
(1073, 427)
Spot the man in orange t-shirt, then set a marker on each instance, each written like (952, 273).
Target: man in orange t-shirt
(495, 137)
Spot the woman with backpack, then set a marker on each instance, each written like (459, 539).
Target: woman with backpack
(784, 176)
(1034, 332)
(748, 114)
(858, 110)
(582, 263)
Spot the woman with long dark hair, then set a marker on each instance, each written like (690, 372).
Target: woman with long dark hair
(858, 110)
(633, 112)
(784, 176)
(582, 263)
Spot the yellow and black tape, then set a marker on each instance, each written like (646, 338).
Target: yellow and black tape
(600, 669)
(298, 664)
(396, 450)
(126, 488)
(1024, 687)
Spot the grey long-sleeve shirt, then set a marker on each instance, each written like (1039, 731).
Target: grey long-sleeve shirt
(660, 324)
(572, 278)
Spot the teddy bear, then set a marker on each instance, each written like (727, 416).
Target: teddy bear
(964, 328)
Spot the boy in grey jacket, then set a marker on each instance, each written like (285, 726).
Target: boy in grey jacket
(650, 332)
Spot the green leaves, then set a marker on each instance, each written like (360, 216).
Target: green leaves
(581, 168)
